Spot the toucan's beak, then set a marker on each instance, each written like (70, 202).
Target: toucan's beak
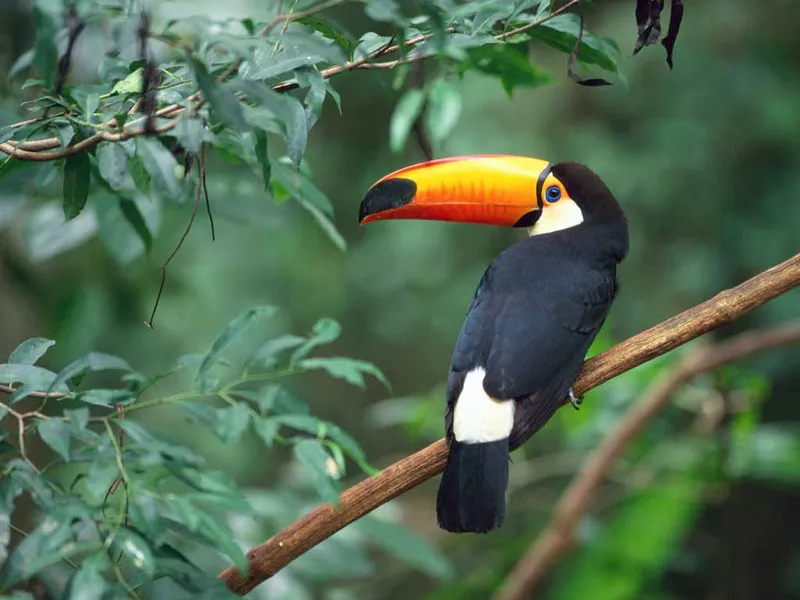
(489, 189)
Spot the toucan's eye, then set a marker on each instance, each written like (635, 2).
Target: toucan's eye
(553, 194)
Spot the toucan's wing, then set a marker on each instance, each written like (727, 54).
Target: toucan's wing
(529, 326)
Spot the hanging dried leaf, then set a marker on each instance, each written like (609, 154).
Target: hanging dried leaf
(648, 20)
(590, 81)
(675, 18)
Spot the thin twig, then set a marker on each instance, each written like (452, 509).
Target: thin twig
(204, 183)
(559, 536)
(172, 254)
(298, 538)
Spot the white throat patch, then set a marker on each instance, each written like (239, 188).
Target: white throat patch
(558, 216)
(479, 418)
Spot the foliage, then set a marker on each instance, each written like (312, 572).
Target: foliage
(240, 87)
(122, 504)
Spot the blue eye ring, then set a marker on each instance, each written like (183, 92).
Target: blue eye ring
(553, 194)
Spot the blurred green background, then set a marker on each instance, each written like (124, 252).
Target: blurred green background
(704, 159)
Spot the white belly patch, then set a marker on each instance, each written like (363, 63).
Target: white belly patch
(478, 417)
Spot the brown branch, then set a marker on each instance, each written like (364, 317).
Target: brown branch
(268, 558)
(559, 536)
(49, 149)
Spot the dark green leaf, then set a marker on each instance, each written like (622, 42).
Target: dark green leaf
(405, 114)
(319, 467)
(232, 332)
(77, 176)
(349, 369)
(147, 442)
(131, 212)
(141, 178)
(9, 490)
(509, 64)
(56, 434)
(561, 32)
(88, 583)
(30, 351)
(443, 110)
(210, 528)
(263, 157)
(45, 53)
(224, 103)
(112, 162)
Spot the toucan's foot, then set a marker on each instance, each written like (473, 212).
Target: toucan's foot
(574, 400)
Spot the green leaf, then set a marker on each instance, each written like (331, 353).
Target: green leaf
(132, 84)
(50, 542)
(266, 354)
(112, 162)
(29, 375)
(405, 114)
(30, 351)
(88, 583)
(135, 549)
(288, 112)
(232, 422)
(9, 490)
(401, 544)
(300, 187)
(106, 398)
(444, 108)
(263, 157)
(561, 32)
(94, 361)
(509, 64)
(209, 527)
(130, 211)
(224, 103)
(191, 133)
(56, 434)
(318, 468)
(325, 331)
(232, 332)
(45, 52)
(77, 176)
(266, 428)
(349, 369)
(141, 178)
(160, 165)
(147, 442)
(22, 63)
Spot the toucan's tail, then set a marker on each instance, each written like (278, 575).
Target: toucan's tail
(472, 493)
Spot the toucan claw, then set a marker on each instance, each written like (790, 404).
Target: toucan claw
(574, 400)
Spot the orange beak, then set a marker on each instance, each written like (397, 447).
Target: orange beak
(489, 189)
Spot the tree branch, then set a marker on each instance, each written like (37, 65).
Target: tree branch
(268, 558)
(558, 537)
(50, 149)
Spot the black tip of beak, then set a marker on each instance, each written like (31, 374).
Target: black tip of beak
(391, 193)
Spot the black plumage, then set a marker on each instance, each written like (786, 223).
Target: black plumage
(535, 313)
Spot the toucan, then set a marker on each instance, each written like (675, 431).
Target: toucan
(536, 311)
